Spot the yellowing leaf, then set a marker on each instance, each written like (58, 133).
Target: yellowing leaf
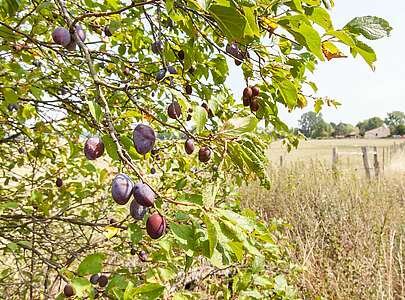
(302, 101)
(110, 232)
(331, 51)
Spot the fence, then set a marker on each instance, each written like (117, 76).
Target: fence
(378, 165)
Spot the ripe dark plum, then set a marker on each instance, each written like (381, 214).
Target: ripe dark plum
(254, 105)
(61, 36)
(122, 187)
(144, 138)
(204, 154)
(107, 31)
(189, 146)
(157, 47)
(59, 182)
(181, 55)
(143, 194)
(68, 290)
(102, 281)
(94, 278)
(137, 211)
(246, 101)
(161, 74)
(172, 70)
(247, 92)
(232, 49)
(93, 148)
(174, 110)
(255, 91)
(143, 256)
(189, 89)
(156, 225)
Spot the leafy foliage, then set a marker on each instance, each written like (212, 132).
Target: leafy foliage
(53, 98)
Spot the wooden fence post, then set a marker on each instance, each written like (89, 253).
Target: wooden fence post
(376, 163)
(365, 162)
(383, 163)
(335, 156)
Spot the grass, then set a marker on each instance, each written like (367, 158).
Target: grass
(347, 233)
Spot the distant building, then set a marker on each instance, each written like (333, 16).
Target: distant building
(378, 133)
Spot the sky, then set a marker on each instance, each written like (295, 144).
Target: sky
(362, 92)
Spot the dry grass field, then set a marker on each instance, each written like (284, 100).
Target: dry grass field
(347, 233)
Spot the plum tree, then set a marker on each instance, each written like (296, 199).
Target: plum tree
(94, 278)
(174, 110)
(102, 281)
(61, 36)
(59, 182)
(137, 211)
(122, 187)
(156, 226)
(144, 138)
(204, 154)
(68, 290)
(189, 146)
(90, 92)
(144, 195)
(93, 148)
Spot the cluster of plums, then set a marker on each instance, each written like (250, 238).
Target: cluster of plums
(250, 98)
(63, 37)
(101, 280)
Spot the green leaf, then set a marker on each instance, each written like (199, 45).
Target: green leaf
(92, 264)
(10, 96)
(200, 117)
(95, 110)
(287, 90)
(147, 291)
(251, 28)
(320, 16)
(343, 36)
(219, 69)
(110, 146)
(230, 20)
(81, 286)
(366, 52)
(239, 126)
(135, 233)
(372, 28)
(212, 234)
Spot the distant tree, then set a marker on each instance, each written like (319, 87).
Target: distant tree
(395, 119)
(343, 129)
(369, 124)
(399, 130)
(313, 125)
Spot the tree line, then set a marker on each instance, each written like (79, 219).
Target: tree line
(313, 125)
